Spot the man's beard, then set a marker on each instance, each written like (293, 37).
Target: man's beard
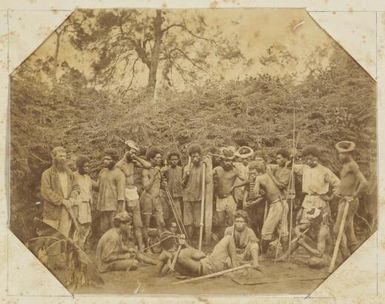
(60, 164)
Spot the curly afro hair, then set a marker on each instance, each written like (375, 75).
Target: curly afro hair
(81, 160)
(311, 150)
(194, 149)
(152, 152)
(241, 214)
(173, 153)
(112, 153)
(284, 153)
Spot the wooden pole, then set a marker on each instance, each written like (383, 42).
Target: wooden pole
(212, 275)
(177, 215)
(175, 258)
(202, 205)
(339, 237)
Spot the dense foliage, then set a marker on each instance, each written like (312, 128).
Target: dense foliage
(337, 103)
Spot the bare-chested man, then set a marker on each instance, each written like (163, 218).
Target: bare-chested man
(278, 209)
(225, 177)
(352, 185)
(238, 246)
(150, 199)
(127, 165)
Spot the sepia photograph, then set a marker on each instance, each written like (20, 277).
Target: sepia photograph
(192, 151)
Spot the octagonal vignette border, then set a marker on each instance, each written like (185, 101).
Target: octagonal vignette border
(362, 64)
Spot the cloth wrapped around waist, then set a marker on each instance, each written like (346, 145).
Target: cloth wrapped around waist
(131, 196)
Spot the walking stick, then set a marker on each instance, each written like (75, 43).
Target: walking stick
(202, 205)
(339, 237)
(211, 275)
(73, 218)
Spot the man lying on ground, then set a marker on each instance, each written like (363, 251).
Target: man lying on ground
(113, 253)
(238, 246)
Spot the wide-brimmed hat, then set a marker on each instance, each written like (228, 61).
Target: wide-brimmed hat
(131, 144)
(122, 217)
(345, 146)
(244, 152)
(227, 154)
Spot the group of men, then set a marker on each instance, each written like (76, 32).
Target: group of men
(251, 198)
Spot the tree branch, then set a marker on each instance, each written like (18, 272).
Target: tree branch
(188, 58)
(133, 75)
(184, 27)
(180, 70)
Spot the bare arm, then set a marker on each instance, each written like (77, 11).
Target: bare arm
(333, 180)
(162, 268)
(362, 182)
(185, 175)
(141, 163)
(75, 189)
(270, 170)
(148, 181)
(244, 199)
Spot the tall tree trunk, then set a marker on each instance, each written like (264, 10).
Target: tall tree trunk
(155, 52)
(56, 56)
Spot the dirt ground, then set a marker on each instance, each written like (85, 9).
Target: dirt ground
(277, 278)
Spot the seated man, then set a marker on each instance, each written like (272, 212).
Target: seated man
(238, 246)
(314, 237)
(113, 253)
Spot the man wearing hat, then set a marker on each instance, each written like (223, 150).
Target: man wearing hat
(242, 156)
(127, 165)
(114, 251)
(111, 190)
(225, 177)
(352, 185)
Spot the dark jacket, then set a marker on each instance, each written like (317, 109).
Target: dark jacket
(52, 194)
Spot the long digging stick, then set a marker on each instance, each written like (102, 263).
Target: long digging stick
(178, 217)
(339, 237)
(212, 275)
(202, 205)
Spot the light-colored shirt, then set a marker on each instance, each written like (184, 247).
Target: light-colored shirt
(85, 184)
(111, 189)
(84, 198)
(317, 180)
(63, 179)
